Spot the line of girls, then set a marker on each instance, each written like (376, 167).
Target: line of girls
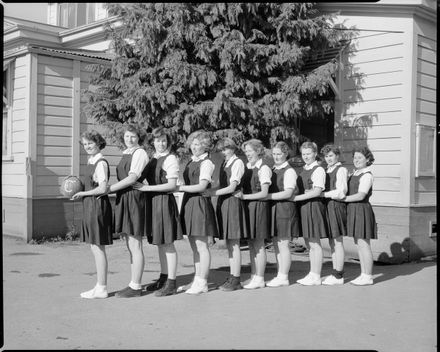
(255, 203)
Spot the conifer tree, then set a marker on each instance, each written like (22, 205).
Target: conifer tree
(236, 69)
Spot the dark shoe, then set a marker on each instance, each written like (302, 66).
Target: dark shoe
(128, 292)
(167, 290)
(231, 284)
(156, 285)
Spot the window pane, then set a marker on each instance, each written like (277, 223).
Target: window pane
(72, 15)
(91, 12)
(81, 14)
(5, 132)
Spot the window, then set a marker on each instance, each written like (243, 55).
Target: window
(72, 15)
(425, 150)
(7, 111)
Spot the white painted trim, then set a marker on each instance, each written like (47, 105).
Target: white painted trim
(76, 117)
(31, 158)
(409, 80)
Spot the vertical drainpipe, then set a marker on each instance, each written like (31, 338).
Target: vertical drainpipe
(76, 126)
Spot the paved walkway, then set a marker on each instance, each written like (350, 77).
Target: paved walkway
(42, 308)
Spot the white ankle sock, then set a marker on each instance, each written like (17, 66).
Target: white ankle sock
(135, 286)
(282, 276)
(258, 278)
(314, 275)
(101, 288)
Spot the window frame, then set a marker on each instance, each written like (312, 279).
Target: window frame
(429, 171)
(9, 68)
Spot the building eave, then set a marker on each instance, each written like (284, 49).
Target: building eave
(417, 8)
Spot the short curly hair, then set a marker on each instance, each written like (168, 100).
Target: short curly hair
(226, 142)
(161, 131)
(283, 147)
(330, 148)
(133, 129)
(95, 137)
(366, 152)
(256, 145)
(203, 137)
(309, 145)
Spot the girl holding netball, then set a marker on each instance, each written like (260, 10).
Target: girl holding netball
(197, 213)
(361, 222)
(284, 217)
(230, 211)
(162, 174)
(256, 182)
(96, 227)
(311, 183)
(336, 211)
(130, 219)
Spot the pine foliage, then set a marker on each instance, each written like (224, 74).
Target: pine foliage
(236, 69)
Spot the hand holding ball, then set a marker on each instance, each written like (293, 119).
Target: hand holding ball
(70, 186)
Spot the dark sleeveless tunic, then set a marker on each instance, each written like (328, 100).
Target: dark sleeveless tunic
(130, 216)
(161, 207)
(197, 214)
(336, 210)
(313, 218)
(284, 214)
(96, 226)
(257, 212)
(361, 222)
(230, 210)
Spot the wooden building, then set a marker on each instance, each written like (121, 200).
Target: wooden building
(385, 97)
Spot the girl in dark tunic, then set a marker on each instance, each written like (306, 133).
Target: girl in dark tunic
(311, 183)
(96, 227)
(130, 219)
(361, 222)
(197, 213)
(230, 212)
(284, 216)
(162, 175)
(336, 211)
(256, 182)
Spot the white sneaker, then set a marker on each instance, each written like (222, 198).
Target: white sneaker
(277, 282)
(309, 280)
(362, 280)
(94, 293)
(332, 280)
(254, 283)
(197, 288)
(184, 287)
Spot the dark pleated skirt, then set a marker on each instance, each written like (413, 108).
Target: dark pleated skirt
(97, 227)
(130, 214)
(313, 219)
(165, 223)
(336, 218)
(231, 218)
(198, 216)
(257, 219)
(284, 220)
(361, 222)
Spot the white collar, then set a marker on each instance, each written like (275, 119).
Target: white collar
(130, 150)
(331, 168)
(257, 164)
(93, 159)
(282, 166)
(311, 166)
(159, 155)
(362, 171)
(201, 157)
(231, 160)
